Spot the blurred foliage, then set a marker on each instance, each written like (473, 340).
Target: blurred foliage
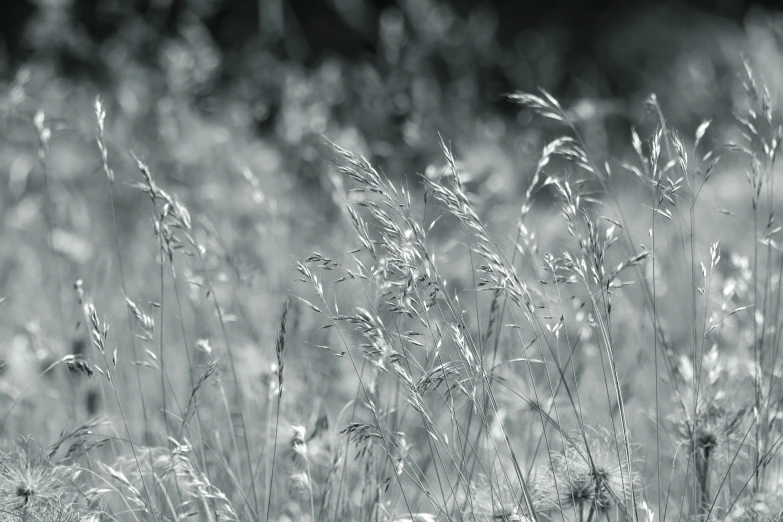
(398, 71)
(208, 90)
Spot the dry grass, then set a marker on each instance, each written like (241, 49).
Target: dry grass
(605, 356)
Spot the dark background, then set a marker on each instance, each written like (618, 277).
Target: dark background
(389, 76)
(312, 30)
(395, 73)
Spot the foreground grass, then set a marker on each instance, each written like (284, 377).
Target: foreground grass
(430, 365)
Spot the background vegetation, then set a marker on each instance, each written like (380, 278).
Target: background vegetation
(253, 270)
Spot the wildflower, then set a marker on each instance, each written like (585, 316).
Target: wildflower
(504, 502)
(593, 476)
(26, 480)
(711, 426)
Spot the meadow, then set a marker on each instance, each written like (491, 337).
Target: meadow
(356, 292)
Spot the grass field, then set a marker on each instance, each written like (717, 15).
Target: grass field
(535, 317)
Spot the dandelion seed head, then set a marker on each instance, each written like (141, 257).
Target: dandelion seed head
(598, 477)
(26, 479)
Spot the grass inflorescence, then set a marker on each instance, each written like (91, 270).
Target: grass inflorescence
(604, 354)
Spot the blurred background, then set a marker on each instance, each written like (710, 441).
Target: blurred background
(231, 102)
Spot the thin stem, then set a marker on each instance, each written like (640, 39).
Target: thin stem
(274, 453)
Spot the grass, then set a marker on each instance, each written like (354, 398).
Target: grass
(188, 345)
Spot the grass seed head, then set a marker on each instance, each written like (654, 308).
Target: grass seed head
(280, 347)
